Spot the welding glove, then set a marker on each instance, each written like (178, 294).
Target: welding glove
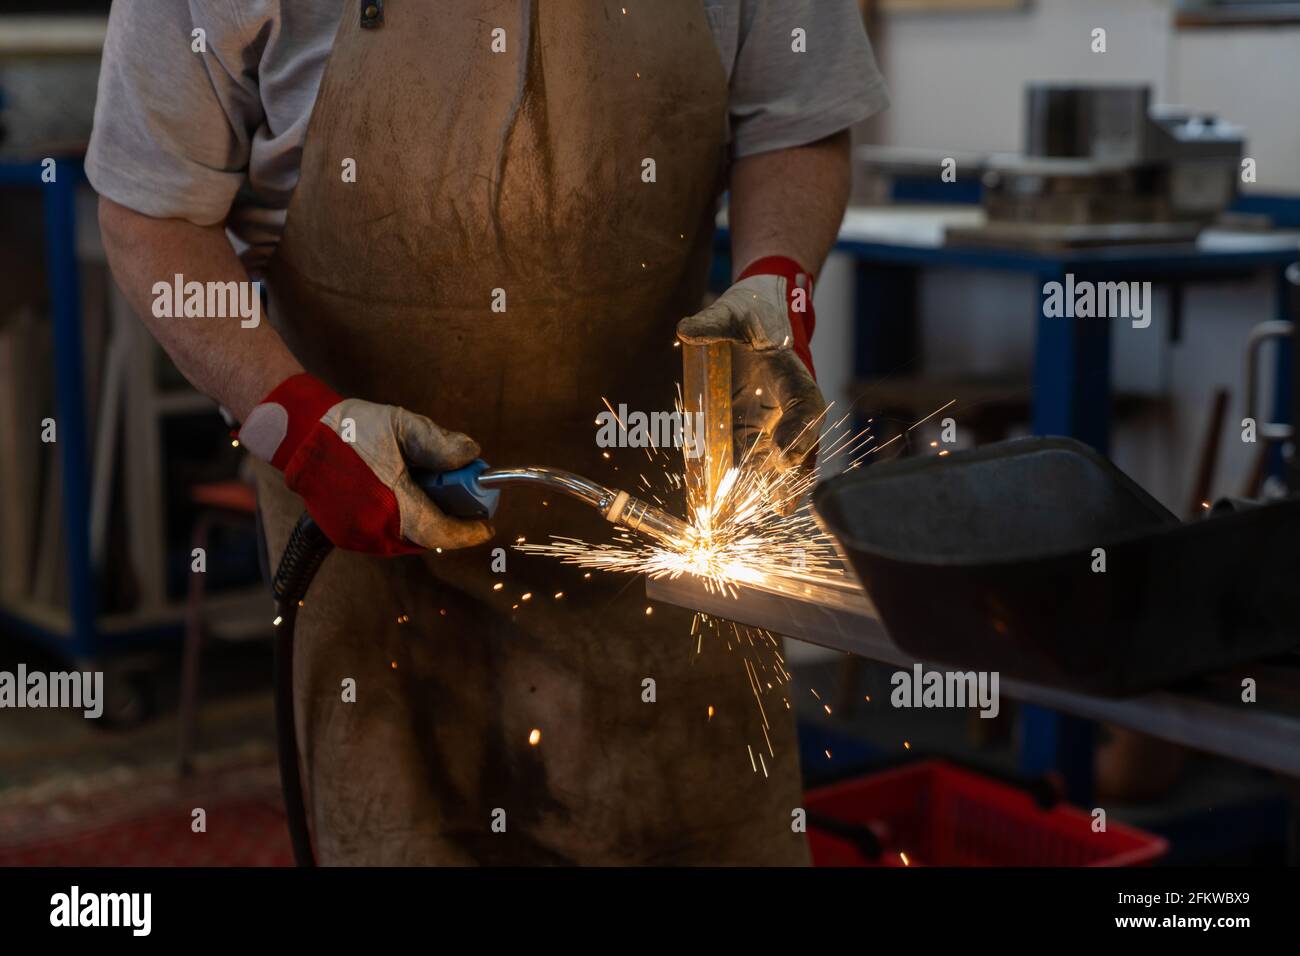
(776, 405)
(348, 459)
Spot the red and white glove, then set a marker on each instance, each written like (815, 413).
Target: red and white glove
(348, 458)
(768, 317)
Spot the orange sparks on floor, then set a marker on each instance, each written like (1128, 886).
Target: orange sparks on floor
(828, 755)
(558, 595)
(710, 711)
(393, 665)
(907, 745)
(534, 737)
(526, 596)
(903, 856)
(498, 586)
(649, 611)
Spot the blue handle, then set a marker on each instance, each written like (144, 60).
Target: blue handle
(458, 492)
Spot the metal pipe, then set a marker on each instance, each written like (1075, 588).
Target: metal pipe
(1269, 431)
(706, 400)
(616, 507)
(565, 482)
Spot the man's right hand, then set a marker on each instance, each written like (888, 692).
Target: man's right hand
(348, 459)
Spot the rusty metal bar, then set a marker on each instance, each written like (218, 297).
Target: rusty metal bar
(706, 400)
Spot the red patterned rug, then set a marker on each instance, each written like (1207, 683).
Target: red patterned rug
(136, 818)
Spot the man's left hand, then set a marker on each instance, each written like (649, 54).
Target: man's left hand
(768, 318)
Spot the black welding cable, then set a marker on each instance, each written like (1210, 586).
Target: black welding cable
(307, 548)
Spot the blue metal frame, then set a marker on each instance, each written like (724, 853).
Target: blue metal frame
(64, 282)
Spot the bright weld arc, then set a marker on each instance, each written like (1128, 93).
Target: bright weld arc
(740, 538)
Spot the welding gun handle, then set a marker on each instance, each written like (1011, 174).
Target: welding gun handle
(458, 492)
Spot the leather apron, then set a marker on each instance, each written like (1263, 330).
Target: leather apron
(518, 171)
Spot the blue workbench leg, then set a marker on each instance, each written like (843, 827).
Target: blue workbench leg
(1054, 741)
(1071, 374)
(1071, 396)
(886, 320)
(70, 398)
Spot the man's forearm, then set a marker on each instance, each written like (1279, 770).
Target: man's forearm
(789, 202)
(236, 366)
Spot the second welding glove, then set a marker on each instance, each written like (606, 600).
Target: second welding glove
(776, 404)
(348, 460)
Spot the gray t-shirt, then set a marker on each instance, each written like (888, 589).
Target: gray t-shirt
(217, 136)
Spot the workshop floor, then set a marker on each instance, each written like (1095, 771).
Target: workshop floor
(76, 794)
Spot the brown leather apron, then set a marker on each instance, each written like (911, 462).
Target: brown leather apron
(519, 171)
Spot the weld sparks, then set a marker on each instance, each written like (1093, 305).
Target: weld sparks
(740, 537)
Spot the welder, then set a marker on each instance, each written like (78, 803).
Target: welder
(451, 206)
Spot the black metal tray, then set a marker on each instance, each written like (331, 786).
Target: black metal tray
(984, 559)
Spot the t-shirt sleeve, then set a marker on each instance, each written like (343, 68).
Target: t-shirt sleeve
(173, 123)
(804, 70)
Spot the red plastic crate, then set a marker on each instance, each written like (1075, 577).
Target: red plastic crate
(940, 815)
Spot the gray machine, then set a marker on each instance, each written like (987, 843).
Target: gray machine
(1101, 166)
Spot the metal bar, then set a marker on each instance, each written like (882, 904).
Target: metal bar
(1071, 396)
(1284, 393)
(1052, 740)
(843, 619)
(706, 400)
(70, 398)
(1071, 374)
